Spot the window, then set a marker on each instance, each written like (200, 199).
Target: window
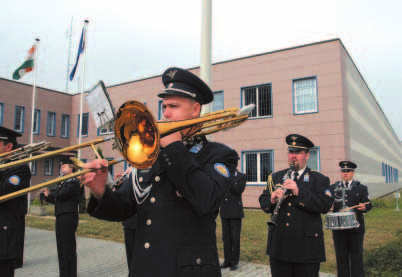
(314, 160)
(19, 119)
(1, 113)
(217, 104)
(305, 95)
(258, 166)
(160, 110)
(65, 125)
(51, 124)
(84, 130)
(48, 167)
(36, 123)
(261, 97)
(33, 167)
(108, 129)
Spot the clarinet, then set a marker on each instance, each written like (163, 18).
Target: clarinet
(274, 216)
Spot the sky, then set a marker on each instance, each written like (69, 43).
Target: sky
(131, 39)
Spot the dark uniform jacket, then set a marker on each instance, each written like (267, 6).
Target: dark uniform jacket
(298, 236)
(12, 180)
(177, 201)
(356, 194)
(232, 204)
(65, 197)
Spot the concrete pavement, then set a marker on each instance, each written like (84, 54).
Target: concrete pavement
(97, 258)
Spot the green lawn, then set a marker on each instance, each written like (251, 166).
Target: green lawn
(382, 224)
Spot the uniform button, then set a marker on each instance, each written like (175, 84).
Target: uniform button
(157, 178)
(4, 227)
(346, 200)
(152, 200)
(290, 204)
(198, 261)
(290, 194)
(140, 179)
(226, 199)
(165, 155)
(167, 159)
(169, 163)
(149, 222)
(287, 224)
(146, 245)
(316, 235)
(288, 214)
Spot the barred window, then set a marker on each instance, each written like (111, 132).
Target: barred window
(51, 124)
(258, 166)
(314, 160)
(261, 97)
(19, 119)
(305, 95)
(85, 122)
(34, 167)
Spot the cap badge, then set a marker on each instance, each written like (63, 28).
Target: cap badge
(170, 85)
(293, 143)
(171, 73)
(294, 138)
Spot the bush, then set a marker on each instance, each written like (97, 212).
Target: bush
(386, 260)
(380, 203)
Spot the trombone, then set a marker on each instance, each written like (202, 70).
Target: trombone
(137, 137)
(23, 152)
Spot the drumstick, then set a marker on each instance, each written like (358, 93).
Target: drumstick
(348, 208)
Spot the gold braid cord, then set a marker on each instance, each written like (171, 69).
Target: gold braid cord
(270, 184)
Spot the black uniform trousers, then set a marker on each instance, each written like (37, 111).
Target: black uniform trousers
(21, 241)
(231, 228)
(349, 247)
(7, 268)
(284, 269)
(129, 241)
(66, 226)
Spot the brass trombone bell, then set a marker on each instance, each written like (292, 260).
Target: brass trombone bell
(137, 134)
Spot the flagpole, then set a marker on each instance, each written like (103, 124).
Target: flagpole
(37, 40)
(69, 52)
(206, 37)
(82, 88)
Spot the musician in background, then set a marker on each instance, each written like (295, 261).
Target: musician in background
(13, 211)
(66, 198)
(295, 235)
(349, 242)
(177, 199)
(122, 183)
(231, 213)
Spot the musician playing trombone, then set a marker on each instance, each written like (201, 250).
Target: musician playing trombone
(177, 198)
(296, 197)
(12, 212)
(66, 198)
(350, 195)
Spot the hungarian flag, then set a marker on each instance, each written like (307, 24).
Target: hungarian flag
(27, 66)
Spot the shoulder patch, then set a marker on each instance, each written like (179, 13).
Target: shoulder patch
(196, 148)
(222, 169)
(328, 192)
(14, 180)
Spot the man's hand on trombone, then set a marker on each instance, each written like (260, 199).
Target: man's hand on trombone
(97, 179)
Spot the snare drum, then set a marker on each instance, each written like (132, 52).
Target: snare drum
(341, 221)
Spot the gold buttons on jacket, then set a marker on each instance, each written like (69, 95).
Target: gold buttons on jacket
(152, 200)
(140, 179)
(146, 245)
(149, 222)
(290, 204)
(316, 235)
(157, 178)
(288, 214)
(287, 224)
(4, 227)
(198, 261)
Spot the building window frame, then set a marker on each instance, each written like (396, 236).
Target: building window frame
(34, 167)
(1, 113)
(36, 129)
(21, 110)
(84, 121)
(318, 165)
(65, 126)
(51, 124)
(259, 176)
(48, 167)
(297, 94)
(257, 99)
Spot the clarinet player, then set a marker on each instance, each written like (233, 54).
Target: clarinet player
(295, 235)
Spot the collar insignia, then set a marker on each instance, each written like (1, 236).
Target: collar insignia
(306, 177)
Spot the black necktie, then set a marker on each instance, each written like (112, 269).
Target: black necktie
(295, 176)
(345, 184)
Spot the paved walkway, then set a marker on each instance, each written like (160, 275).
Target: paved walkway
(97, 258)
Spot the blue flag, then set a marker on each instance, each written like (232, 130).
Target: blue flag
(81, 49)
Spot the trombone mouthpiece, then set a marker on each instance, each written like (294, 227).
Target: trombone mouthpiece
(246, 110)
